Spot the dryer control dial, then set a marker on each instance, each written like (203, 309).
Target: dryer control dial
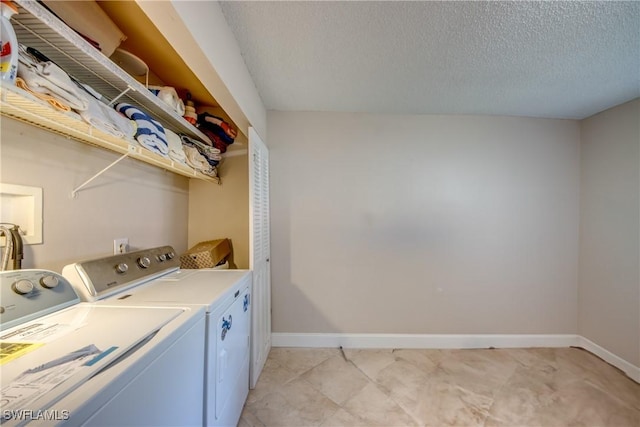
(122, 268)
(23, 286)
(49, 282)
(144, 262)
(170, 255)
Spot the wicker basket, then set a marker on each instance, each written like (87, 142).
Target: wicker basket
(206, 254)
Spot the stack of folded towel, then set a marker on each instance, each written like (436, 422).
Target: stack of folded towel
(49, 82)
(149, 132)
(196, 159)
(176, 152)
(211, 154)
(105, 118)
(217, 130)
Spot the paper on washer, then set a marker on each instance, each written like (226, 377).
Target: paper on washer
(39, 380)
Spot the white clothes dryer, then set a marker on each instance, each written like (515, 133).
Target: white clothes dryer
(152, 278)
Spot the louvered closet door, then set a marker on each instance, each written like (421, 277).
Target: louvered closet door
(259, 254)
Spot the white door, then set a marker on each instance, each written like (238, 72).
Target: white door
(259, 254)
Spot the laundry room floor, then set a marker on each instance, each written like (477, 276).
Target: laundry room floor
(501, 387)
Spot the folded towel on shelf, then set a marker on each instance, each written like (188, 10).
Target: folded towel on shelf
(54, 102)
(211, 154)
(210, 118)
(149, 133)
(198, 162)
(108, 120)
(47, 78)
(175, 147)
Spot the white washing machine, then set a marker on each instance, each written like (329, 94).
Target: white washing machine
(70, 363)
(152, 278)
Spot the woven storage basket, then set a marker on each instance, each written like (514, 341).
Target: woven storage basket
(206, 254)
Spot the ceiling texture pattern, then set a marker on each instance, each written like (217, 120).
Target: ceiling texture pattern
(537, 59)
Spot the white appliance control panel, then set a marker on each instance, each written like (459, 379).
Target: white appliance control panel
(98, 278)
(27, 294)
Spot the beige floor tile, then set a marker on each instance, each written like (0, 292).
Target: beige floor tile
(273, 376)
(336, 378)
(343, 418)
(442, 401)
(530, 391)
(313, 406)
(247, 419)
(370, 362)
(600, 374)
(300, 360)
(426, 359)
(376, 408)
(584, 405)
(402, 381)
(480, 371)
(274, 410)
(533, 356)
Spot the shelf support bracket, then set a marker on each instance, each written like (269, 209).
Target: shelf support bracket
(74, 193)
(113, 101)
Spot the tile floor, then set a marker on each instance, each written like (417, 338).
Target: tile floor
(502, 387)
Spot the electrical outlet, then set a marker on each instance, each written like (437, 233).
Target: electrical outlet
(121, 245)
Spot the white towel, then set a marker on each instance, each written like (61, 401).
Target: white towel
(149, 132)
(198, 162)
(48, 78)
(107, 119)
(175, 147)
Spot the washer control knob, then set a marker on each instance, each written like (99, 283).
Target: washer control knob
(162, 257)
(23, 286)
(122, 268)
(49, 282)
(144, 262)
(170, 255)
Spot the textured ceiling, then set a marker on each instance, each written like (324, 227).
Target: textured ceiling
(540, 59)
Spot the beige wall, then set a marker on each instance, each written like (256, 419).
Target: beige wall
(218, 211)
(423, 224)
(609, 286)
(133, 199)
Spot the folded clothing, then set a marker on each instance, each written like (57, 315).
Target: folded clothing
(207, 118)
(198, 162)
(53, 101)
(215, 139)
(105, 118)
(149, 133)
(176, 151)
(211, 154)
(47, 78)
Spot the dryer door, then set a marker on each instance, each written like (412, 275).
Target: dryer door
(233, 352)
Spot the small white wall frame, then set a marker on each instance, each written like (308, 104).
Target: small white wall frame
(22, 205)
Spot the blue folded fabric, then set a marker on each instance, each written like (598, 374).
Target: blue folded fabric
(149, 133)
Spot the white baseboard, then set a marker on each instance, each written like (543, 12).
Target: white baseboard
(421, 340)
(279, 339)
(632, 371)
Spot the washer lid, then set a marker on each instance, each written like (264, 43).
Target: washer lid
(195, 287)
(46, 358)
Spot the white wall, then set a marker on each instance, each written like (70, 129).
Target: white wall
(423, 224)
(609, 290)
(133, 199)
